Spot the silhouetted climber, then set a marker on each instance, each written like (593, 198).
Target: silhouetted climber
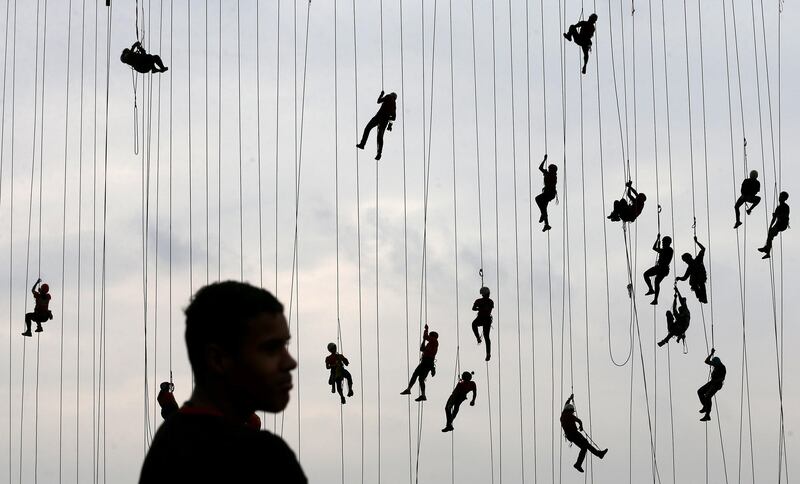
(664, 249)
(583, 37)
(677, 319)
(573, 426)
(750, 189)
(548, 191)
(41, 312)
(707, 391)
(779, 223)
(460, 392)
(336, 362)
(141, 61)
(628, 212)
(696, 272)
(483, 306)
(382, 120)
(427, 364)
(237, 340)
(166, 400)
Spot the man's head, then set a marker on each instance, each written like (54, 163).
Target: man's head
(687, 257)
(552, 168)
(237, 336)
(670, 317)
(44, 289)
(754, 174)
(433, 335)
(466, 376)
(593, 18)
(332, 347)
(641, 197)
(783, 197)
(393, 95)
(167, 386)
(126, 53)
(666, 241)
(569, 408)
(484, 291)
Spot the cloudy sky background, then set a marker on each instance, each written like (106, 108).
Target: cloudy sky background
(562, 307)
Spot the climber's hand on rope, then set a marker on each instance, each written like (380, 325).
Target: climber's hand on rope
(628, 183)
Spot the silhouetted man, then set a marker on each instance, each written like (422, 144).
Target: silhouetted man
(628, 212)
(459, 395)
(483, 306)
(696, 272)
(429, 348)
(779, 223)
(707, 391)
(677, 320)
(382, 120)
(336, 363)
(141, 61)
(548, 192)
(749, 194)
(573, 426)
(237, 340)
(166, 400)
(583, 37)
(663, 248)
(41, 311)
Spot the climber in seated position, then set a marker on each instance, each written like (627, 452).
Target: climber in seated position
(336, 363)
(779, 223)
(663, 248)
(141, 61)
(707, 391)
(749, 194)
(583, 37)
(41, 311)
(459, 395)
(696, 272)
(429, 347)
(677, 319)
(483, 306)
(548, 191)
(166, 400)
(382, 120)
(628, 212)
(573, 426)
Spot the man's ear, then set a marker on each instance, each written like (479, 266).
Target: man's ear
(218, 360)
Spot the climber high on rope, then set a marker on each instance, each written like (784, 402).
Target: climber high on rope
(336, 363)
(779, 223)
(382, 120)
(707, 391)
(583, 37)
(141, 61)
(628, 212)
(483, 306)
(573, 426)
(696, 272)
(41, 312)
(664, 249)
(548, 191)
(750, 189)
(459, 395)
(166, 400)
(427, 364)
(677, 319)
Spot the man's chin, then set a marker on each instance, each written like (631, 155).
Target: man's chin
(276, 404)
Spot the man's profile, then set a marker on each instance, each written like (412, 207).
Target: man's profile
(236, 337)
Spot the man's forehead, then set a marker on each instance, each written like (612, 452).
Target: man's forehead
(269, 325)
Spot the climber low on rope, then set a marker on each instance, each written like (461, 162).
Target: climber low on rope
(483, 306)
(166, 400)
(459, 395)
(664, 249)
(427, 364)
(336, 363)
(628, 212)
(548, 191)
(696, 272)
(707, 391)
(749, 194)
(583, 37)
(382, 120)
(41, 311)
(779, 223)
(677, 319)
(573, 426)
(141, 61)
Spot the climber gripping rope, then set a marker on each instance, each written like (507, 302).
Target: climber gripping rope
(483, 306)
(336, 363)
(427, 364)
(573, 432)
(41, 311)
(459, 396)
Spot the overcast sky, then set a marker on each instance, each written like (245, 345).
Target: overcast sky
(198, 181)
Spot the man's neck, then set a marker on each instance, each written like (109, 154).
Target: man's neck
(213, 398)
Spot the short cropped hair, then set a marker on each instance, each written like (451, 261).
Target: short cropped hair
(218, 314)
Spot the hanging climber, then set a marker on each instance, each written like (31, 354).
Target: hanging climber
(707, 391)
(41, 311)
(663, 248)
(427, 363)
(336, 362)
(166, 400)
(382, 120)
(677, 319)
(459, 395)
(749, 190)
(628, 212)
(548, 192)
(779, 223)
(483, 306)
(141, 61)
(573, 426)
(584, 37)
(696, 272)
